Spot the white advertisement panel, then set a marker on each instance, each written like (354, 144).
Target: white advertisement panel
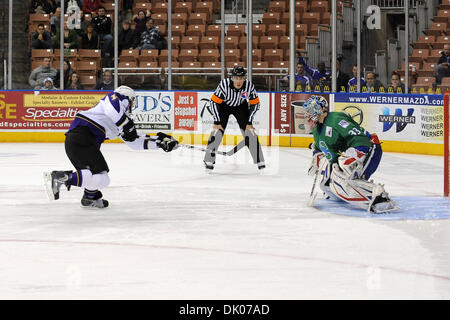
(205, 120)
(153, 111)
(396, 117)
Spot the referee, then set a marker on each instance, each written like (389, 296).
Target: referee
(234, 96)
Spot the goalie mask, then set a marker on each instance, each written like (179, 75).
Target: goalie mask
(314, 107)
(130, 94)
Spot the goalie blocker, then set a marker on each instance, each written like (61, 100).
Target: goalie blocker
(347, 156)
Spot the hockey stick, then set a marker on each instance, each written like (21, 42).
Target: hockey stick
(236, 148)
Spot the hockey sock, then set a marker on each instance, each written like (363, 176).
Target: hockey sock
(94, 181)
(76, 179)
(251, 140)
(213, 143)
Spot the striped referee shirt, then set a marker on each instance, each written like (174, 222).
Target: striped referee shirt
(227, 94)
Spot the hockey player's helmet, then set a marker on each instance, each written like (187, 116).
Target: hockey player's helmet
(238, 71)
(314, 107)
(130, 94)
(127, 92)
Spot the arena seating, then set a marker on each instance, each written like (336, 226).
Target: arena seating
(427, 52)
(196, 38)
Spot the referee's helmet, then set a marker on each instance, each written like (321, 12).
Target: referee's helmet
(238, 71)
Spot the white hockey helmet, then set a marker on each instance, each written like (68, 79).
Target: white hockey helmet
(131, 96)
(314, 107)
(127, 92)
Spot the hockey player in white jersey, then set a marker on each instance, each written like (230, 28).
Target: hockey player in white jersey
(108, 119)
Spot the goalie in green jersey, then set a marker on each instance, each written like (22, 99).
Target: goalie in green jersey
(345, 155)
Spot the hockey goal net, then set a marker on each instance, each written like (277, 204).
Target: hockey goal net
(447, 144)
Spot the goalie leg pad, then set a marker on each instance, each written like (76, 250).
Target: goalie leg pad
(325, 173)
(361, 193)
(356, 192)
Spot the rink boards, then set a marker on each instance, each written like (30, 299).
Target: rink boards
(404, 123)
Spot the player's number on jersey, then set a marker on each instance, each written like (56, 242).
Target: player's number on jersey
(354, 132)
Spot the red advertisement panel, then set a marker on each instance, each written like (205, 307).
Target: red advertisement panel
(282, 118)
(38, 110)
(185, 115)
(289, 115)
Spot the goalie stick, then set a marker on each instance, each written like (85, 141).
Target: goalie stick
(314, 191)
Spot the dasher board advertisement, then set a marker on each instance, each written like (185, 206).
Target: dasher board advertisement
(288, 115)
(260, 122)
(396, 117)
(43, 110)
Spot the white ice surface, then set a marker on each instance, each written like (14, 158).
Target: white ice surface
(174, 232)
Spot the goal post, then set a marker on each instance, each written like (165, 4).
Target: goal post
(446, 144)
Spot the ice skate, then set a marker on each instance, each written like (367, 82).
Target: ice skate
(93, 200)
(381, 202)
(261, 165)
(53, 182)
(209, 166)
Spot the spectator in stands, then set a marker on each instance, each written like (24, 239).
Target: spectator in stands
(72, 9)
(41, 38)
(43, 6)
(396, 85)
(140, 20)
(55, 19)
(90, 6)
(70, 39)
(47, 85)
(320, 77)
(102, 25)
(352, 84)
(86, 20)
(72, 4)
(127, 6)
(372, 83)
(67, 74)
(37, 76)
(341, 78)
(413, 75)
(126, 37)
(89, 40)
(150, 38)
(443, 67)
(107, 83)
(301, 78)
(75, 83)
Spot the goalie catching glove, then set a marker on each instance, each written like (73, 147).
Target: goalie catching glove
(317, 156)
(165, 142)
(352, 163)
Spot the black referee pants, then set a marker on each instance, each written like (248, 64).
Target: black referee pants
(241, 113)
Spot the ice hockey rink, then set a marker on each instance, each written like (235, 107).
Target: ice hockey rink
(174, 232)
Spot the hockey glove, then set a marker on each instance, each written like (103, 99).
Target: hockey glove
(317, 156)
(129, 132)
(166, 142)
(352, 163)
